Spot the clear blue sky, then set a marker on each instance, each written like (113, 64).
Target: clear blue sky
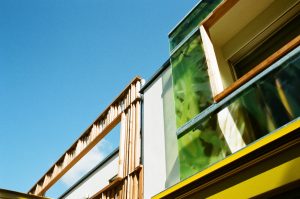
(61, 63)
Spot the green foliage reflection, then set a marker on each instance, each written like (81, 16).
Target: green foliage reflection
(192, 91)
(192, 95)
(267, 105)
(201, 147)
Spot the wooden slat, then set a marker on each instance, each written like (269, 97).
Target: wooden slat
(259, 68)
(138, 136)
(129, 168)
(123, 182)
(141, 183)
(120, 193)
(111, 185)
(79, 156)
(109, 118)
(126, 155)
(122, 144)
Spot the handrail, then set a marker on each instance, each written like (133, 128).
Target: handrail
(257, 69)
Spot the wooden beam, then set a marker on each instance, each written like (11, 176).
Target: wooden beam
(84, 151)
(259, 68)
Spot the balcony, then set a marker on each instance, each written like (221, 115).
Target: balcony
(242, 134)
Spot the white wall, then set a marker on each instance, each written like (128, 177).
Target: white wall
(153, 140)
(97, 181)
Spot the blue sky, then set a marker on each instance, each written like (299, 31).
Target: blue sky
(61, 63)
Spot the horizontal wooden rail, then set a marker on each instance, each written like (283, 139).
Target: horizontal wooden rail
(116, 182)
(113, 184)
(107, 120)
(259, 68)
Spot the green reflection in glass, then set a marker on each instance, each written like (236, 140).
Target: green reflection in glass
(201, 147)
(262, 108)
(192, 92)
(271, 102)
(191, 21)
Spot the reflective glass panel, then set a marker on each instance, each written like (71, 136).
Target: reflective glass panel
(191, 21)
(268, 104)
(192, 92)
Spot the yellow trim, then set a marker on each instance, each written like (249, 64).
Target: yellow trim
(264, 182)
(243, 152)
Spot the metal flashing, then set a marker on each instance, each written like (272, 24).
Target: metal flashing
(155, 76)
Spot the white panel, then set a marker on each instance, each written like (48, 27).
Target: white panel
(97, 181)
(153, 140)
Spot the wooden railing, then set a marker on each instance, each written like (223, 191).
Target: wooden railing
(259, 68)
(125, 109)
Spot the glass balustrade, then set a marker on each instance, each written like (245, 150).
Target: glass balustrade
(191, 21)
(266, 104)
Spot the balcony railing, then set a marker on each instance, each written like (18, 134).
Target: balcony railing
(266, 102)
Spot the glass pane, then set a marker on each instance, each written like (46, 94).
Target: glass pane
(192, 92)
(191, 21)
(265, 106)
(268, 47)
(171, 149)
(201, 147)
